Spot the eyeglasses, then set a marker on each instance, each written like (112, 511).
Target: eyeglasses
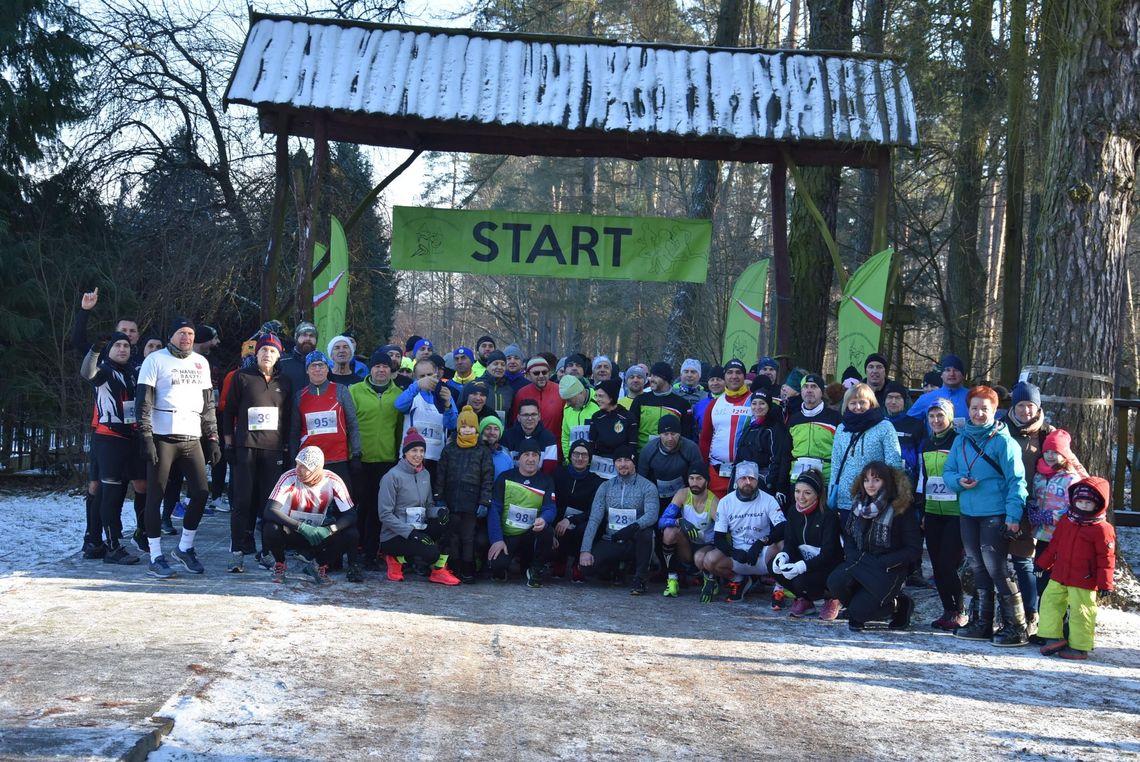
(540, 373)
(528, 415)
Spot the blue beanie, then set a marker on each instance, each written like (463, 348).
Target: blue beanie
(1023, 391)
(953, 361)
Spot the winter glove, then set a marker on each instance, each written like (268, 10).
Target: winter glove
(791, 571)
(311, 533)
(627, 533)
(780, 561)
(1103, 593)
(481, 512)
(355, 466)
(690, 530)
(419, 535)
(443, 516)
(212, 452)
(149, 452)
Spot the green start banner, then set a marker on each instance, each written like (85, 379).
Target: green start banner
(550, 245)
(861, 312)
(746, 314)
(330, 282)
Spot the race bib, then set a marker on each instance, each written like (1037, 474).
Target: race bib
(312, 519)
(579, 432)
(321, 423)
(620, 518)
(936, 490)
(417, 516)
(129, 411)
(262, 419)
(803, 464)
(669, 488)
(519, 517)
(809, 551)
(603, 467)
(725, 470)
(186, 423)
(502, 416)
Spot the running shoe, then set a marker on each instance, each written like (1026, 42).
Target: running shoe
(278, 572)
(443, 576)
(737, 590)
(534, 578)
(318, 575)
(141, 541)
(159, 568)
(576, 575)
(168, 527)
(395, 569)
(639, 587)
(121, 556)
(237, 562)
(672, 586)
(265, 560)
(1053, 645)
(189, 559)
(802, 607)
(354, 573)
(91, 551)
(1074, 654)
(830, 610)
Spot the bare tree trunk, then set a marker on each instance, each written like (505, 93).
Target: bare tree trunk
(812, 269)
(965, 271)
(1015, 196)
(1074, 311)
(702, 204)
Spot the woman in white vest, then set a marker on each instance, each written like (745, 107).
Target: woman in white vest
(428, 407)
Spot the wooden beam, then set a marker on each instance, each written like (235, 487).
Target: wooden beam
(309, 222)
(882, 201)
(271, 265)
(781, 264)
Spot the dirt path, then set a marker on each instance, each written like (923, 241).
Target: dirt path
(249, 670)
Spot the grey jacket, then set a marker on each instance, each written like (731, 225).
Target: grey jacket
(633, 491)
(400, 489)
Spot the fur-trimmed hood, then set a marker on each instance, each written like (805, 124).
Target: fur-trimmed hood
(905, 497)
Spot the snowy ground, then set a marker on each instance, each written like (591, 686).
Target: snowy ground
(249, 670)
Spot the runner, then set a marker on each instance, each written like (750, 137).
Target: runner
(520, 521)
(579, 409)
(324, 415)
(687, 526)
(612, 426)
(309, 510)
(465, 476)
(428, 407)
(660, 400)
(528, 429)
(175, 408)
(575, 485)
(812, 429)
(722, 425)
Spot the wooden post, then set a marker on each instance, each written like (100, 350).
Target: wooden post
(781, 264)
(308, 219)
(882, 202)
(1122, 414)
(271, 265)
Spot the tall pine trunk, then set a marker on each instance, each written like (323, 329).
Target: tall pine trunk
(965, 270)
(811, 266)
(1074, 312)
(680, 332)
(1015, 197)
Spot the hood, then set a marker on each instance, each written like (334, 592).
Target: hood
(905, 497)
(1096, 483)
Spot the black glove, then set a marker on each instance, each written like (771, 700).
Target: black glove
(419, 535)
(149, 452)
(443, 516)
(752, 555)
(212, 452)
(627, 533)
(1103, 593)
(355, 466)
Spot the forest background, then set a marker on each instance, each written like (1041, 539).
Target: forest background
(120, 169)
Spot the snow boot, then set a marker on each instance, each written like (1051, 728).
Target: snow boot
(1012, 632)
(981, 624)
(904, 608)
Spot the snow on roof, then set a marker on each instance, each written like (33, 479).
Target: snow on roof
(481, 78)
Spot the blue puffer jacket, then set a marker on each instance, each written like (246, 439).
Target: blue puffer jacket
(997, 492)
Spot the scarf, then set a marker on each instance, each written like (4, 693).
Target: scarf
(1044, 468)
(176, 351)
(466, 440)
(857, 422)
(868, 508)
(812, 412)
(981, 433)
(1026, 428)
(806, 511)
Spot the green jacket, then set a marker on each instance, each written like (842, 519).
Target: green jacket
(938, 499)
(379, 422)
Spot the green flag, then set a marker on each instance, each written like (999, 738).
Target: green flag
(861, 311)
(746, 314)
(330, 282)
(496, 242)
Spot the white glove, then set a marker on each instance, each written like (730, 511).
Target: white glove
(791, 571)
(780, 561)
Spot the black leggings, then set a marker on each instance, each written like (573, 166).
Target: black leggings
(277, 538)
(811, 584)
(944, 546)
(187, 453)
(365, 493)
(254, 475)
(118, 463)
(532, 549)
(427, 552)
(608, 554)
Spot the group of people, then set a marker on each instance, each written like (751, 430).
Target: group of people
(487, 463)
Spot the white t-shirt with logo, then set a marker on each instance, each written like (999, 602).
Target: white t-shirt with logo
(178, 386)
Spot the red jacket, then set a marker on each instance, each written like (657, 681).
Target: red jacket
(1083, 553)
(550, 407)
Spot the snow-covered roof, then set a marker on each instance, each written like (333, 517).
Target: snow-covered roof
(558, 85)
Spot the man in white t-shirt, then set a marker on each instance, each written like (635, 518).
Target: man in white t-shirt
(175, 411)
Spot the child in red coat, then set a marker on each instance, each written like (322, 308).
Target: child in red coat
(1082, 557)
